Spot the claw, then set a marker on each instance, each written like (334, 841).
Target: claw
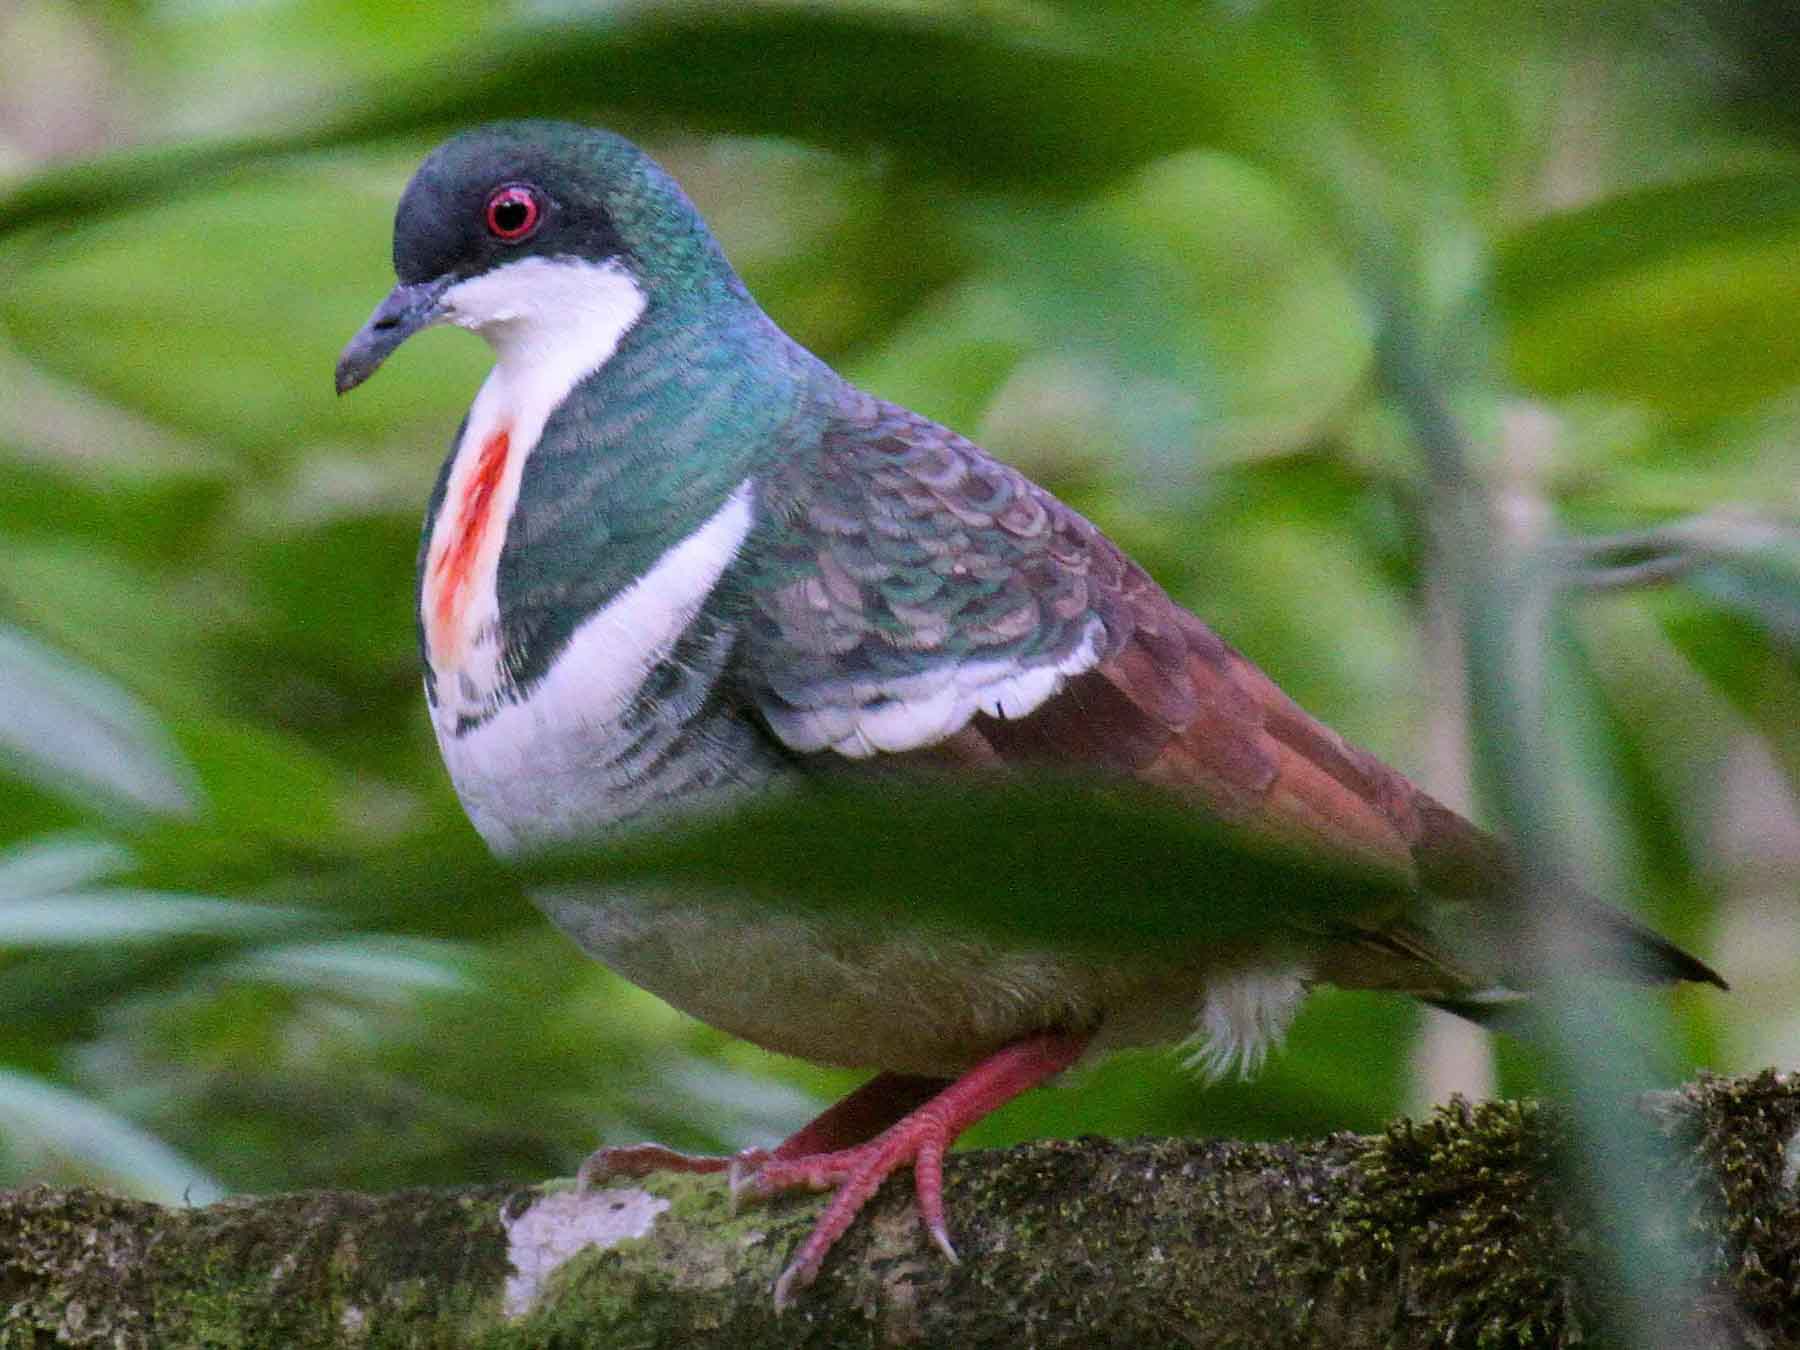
(928, 1192)
(785, 1283)
(846, 1148)
(640, 1160)
(940, 1237)
(740, 1178)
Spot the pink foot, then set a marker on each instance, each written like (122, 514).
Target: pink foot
(859, 1117)
(920, 1138)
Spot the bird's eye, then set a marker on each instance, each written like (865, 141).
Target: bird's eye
(513, 213)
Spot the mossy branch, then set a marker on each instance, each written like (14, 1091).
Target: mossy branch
(1453, 1231)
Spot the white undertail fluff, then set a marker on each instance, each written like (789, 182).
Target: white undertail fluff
(1243, 1016)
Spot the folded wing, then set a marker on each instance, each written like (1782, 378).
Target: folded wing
(917, 600)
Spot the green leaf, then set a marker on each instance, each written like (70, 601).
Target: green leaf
(973, 100)
(837, 249)
(243, 350)
(1603, 244)
(151, 514)
(40, 1122)
(1682, 296)
(947, 358)
(1056, 864)
(99, 918)
(1222, 325)
(71, 727)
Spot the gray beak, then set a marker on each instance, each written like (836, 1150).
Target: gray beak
(407, 309)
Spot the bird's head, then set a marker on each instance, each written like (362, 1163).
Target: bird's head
(518, 229)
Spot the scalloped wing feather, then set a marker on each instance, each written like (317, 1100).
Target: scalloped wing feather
(915, 599)
(906, 583)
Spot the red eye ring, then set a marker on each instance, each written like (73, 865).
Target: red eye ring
(513, 213)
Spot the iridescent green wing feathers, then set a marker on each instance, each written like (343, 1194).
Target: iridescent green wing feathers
(904, 582)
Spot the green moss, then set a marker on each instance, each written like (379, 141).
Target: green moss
(289, 1271)
(1452, 1231)
(688, 1276)
(1742, 1204)
(1454, 1212)
(1461, 1221)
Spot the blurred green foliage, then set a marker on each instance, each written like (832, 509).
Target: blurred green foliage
(1159, 254)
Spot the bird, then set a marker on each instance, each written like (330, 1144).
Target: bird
(674, 560)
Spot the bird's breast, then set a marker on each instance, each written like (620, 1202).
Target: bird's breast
(625, 717)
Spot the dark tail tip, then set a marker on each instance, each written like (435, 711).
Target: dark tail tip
(1674, 964)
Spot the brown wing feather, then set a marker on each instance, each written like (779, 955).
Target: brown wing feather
(1175, 705)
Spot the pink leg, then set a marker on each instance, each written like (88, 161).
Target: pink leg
(921, 1138)
(859, 1117)
(862, 1115)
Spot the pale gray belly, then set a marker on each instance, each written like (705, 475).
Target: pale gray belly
(863, 996)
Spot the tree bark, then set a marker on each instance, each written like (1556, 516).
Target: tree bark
(1451, 1231)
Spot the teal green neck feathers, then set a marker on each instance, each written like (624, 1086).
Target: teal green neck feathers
(644, 452)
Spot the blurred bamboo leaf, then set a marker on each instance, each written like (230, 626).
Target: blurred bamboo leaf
(264, 783)
(1536, 760)
(69, 726)
(428, 1080)
(60, 863)
(40, 1122)
(1737, 656)
(67, 946)
(1739, 621)
(111, 616)
(382, 970)
(101, 918)
(1761, 583)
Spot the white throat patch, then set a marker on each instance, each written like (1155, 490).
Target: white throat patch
(552, 322)
(555, 320)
